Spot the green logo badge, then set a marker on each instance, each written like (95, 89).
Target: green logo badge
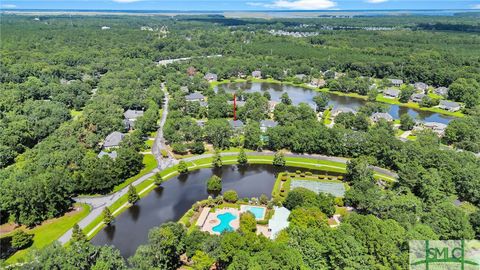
(441, 255)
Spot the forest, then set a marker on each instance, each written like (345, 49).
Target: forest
(66, 83)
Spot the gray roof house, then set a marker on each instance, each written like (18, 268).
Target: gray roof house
(236, 124)
(420, 86)
(130, 118)
(184, 89)
(442, 91)
(436, 127)
(391, 93)
(196, 96)
(300, 76)
(417, 97)
(239, 103)
(338, 110)
(396, 82)
(111, 155)
(210, 77)
(376, 117)
(257, 74)
(449, 105)
(113, 140)
(266, 124)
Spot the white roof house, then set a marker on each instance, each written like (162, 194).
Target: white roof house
(105, 27)
(391, 93)
(396, 82)
(113, 140)
(376, 117)
(449, 105)
(279, 221)
(257, 74)
(266, 124)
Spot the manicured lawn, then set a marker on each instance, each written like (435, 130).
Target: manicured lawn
(149, 163)
(50, 231)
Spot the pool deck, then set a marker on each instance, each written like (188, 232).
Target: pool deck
(212, 220)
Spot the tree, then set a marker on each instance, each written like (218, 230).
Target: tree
(128, 162)
(406, 122)
(406, 93)
(217, 159)
(279, 159)
(230, 196)
(158, 179)
(77, 234)
(218, 132)
(465, 90)
(242, 157)
(182, 167)
(449, 222)
(475, 221)
(253, 135)
(372, 95)
(214, 184)
(285, 99)
(263, 199)
(310, 217)
(248, 223)
(321, 100)
(202, 261)
(165, 245)
(107, 216)
(132, 195)
(21, 239)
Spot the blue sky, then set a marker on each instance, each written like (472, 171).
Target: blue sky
(239, 4)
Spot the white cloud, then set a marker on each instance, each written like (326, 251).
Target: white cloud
(126, 1)
(476, 6)
(298, 4)
(376, 1)
(9, 6)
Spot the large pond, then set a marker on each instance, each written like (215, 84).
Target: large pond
(176, 196)
(300, 94)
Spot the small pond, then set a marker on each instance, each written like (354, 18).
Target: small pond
(176, 196)
(299, 94)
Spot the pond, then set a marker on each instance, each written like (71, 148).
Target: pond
(299, 94)
(176, 196)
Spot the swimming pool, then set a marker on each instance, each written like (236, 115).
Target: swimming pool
(224, 225)
(258, 212)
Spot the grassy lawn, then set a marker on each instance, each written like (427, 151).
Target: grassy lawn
(149, 163)
(149, 143)
(50, 231)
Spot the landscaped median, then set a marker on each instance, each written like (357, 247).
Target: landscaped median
(148, 185)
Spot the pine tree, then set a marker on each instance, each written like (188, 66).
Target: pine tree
(77, 234)
(242, 157)
(107, 216)
(217, 160)
(132, 195)
(158, 179)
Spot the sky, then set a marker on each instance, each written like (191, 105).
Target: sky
(217, 5)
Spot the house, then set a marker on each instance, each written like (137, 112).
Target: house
(184, 89)
(238, 103)
(442, 91)
(391, 93)
(376, 117)
(105, 27)
(396, 82)
(266, 124)
(196, 96)
(301, 77)
(436, 127)
(417, 97)
(339, 110)
(201, 123)
(130, 118)
(257, 74)
(317, 83)
(420, 86)
(210, 77)
(113, 140)
(111, 155)
(236, 124)
(271, 105)
(449, 105)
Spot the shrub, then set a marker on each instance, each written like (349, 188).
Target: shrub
(214, 184)
(246, 199)
(339, 201)
(179, 148)
(263, 199)
(230, 196)
(298, 172)
(308, 173)
(21, 239)
(340, 177)
(279, 159)
(188, 224)
(164, 153)
(182, 167)
(197, 148)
